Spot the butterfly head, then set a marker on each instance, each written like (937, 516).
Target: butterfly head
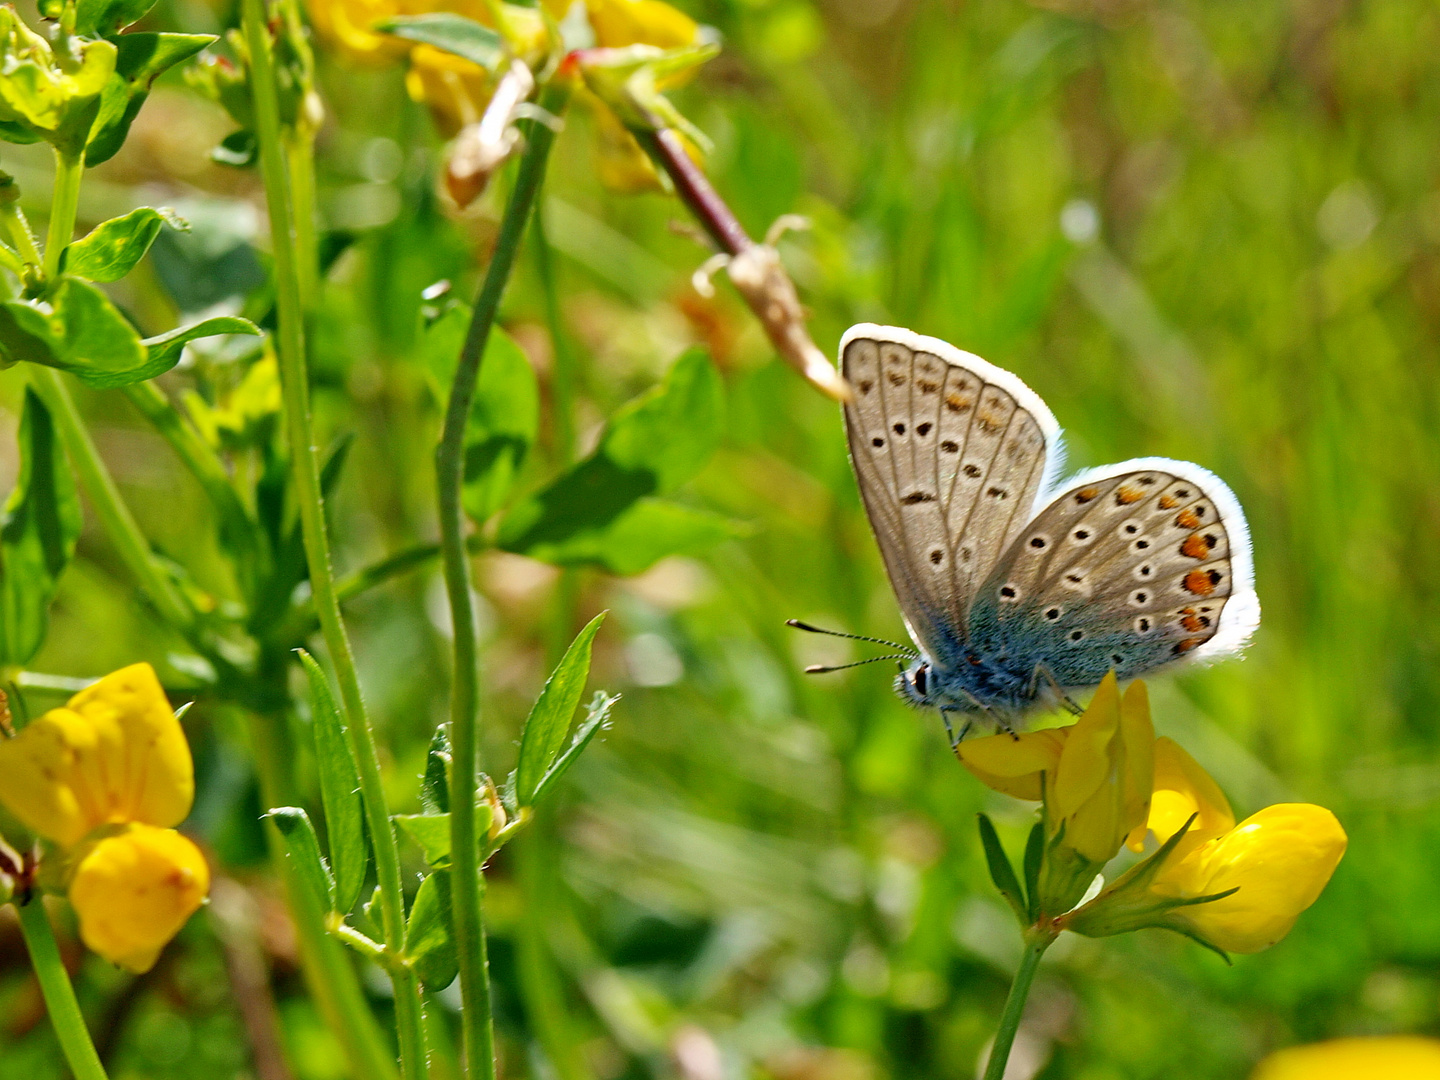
(916, 683)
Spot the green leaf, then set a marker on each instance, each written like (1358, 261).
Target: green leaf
(164, 350)
(339, 788)
(451, 33)
(104, 18)
(596, 714)
(239, 150)
(543, 736)
(139, 60)
(1001, 872)
(113, 247)
(428, 940)
(432, 832)
(1034, 856)
(603, 512)
(82, 332)
(37, 535)
(304, 850)
(435, 784)
(505, 417)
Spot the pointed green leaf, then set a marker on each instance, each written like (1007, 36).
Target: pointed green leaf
(81, 332)
(1034, 855)
(140, 58)
(37, 535)
(451, 33)
(164, 349)
(113, 247)
(596, 715)
(671, 431)
(543, 736)
(304, 852)
(435, 784)
(1001, 872)
(339, 788)
(429, 943)
(104, 18)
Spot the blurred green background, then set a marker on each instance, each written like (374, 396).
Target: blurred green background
(1204, 230)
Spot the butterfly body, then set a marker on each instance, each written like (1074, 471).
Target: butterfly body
(1014, 587)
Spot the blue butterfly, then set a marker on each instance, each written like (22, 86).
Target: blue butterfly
(1016, 588)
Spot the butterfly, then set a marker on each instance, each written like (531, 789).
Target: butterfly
(1017, 588)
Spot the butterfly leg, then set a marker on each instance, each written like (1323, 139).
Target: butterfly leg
(1066, 701)
(955, 740)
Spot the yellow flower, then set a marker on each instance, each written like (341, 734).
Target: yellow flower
(1182, 790)
(114, 754)
(1278, 861)
(134, 891)
(1014, 764)
(1102, 782)
(1393, 1057)
(618, 23)
(455, 90)
(347, 27)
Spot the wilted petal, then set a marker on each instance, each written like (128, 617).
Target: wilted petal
(134, 891)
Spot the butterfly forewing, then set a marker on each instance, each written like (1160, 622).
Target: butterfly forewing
(950, 453)
(1128, 569)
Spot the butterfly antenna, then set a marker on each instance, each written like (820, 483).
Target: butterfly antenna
(825, 669)
(798, 625)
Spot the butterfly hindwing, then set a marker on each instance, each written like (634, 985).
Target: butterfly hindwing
(950, 453)
(1135, 566)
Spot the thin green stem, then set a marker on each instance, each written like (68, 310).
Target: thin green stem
(300, 163)
(68, 171)
(109, 505)
(468, 893)
(12, 219)
(65, 1016)
(327, 969)
(1036, 943)
(295, 389)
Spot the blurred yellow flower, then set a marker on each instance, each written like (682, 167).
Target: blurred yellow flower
(347, 27)
(1393, 1057)
(618, 23)
(1278, 860)
(106, 777)
(134, 891)
(115, 753)
(1183, 789)
(1102, 781)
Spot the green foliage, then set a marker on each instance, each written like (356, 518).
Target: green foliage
(451, 33)
(43, 96)
(1001, 872)
(603, 511)
(543, 736)
(37, 536)
(111, 249)
(303, 849)
(428, 938)
(339, 788)
(140, 59)
(432, 833)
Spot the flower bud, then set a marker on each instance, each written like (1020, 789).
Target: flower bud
(115, 753)
(133, 891)
(1390, 1057)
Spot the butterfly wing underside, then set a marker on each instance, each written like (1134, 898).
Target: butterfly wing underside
(950, 453)
(1134, 567)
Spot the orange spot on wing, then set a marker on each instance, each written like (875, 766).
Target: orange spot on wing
(1193, 622)
(1084, 495)
(958, 402)
(1168, 502)
(1182, 647)
(1197, 546)
(1188, 519)
(1201, 582)
(989, 421)
(1127, 495)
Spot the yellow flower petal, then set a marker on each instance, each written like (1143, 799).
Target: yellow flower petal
(1394, 1057)
(455, 90)
(134, 891)
(1086, 761)
(618, 23)
(1137, 771)
(1279, 859)
(1013, 764)
(346, 27)
(1183, 788)
(115, 753)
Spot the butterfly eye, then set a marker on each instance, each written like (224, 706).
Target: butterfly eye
(921, 679)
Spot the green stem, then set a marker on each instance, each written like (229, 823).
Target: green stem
(1035, 945)
(12, 219)
(300, 164)
(295, 389)
(468, 898)
(328, 971)
(68, 171)
(59, 995)
(109, 506)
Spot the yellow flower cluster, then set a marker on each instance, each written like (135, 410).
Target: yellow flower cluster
(105, 779)
(1106, 781)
